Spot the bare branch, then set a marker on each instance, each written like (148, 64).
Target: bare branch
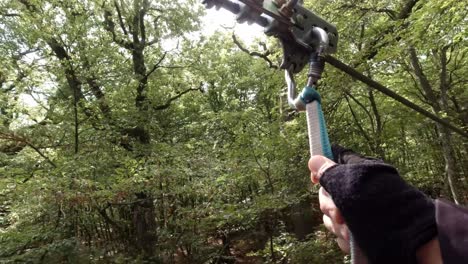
(157, 65)
(170, 100)
(10, 15)
(135, 23)
(348, 94)
(119, 15)
(452, 48)
(97, 91)
(423, 81)
(151, 42)
(141, 17)
(23, 140)
(26, 52)
(263, 56)
(356, 121)
(266, 171)
(391, 13)
(155, 25)
(110, 27)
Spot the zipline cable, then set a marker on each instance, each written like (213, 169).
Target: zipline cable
(379, 87)
(245, 13)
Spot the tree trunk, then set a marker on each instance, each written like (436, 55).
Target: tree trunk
(450, 164)
(440, 106)
(144, 224)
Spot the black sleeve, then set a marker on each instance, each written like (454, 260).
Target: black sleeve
(388, 218)
(452, 225)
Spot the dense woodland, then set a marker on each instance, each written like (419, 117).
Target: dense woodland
(115, 148)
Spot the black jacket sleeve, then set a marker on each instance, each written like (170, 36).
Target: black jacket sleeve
(388, 218)
(452, 225)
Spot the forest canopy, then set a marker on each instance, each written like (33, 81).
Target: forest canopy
(130, 135)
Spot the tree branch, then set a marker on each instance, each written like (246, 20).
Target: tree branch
(10, 15)
(170, 100)
(106, 217)
(444, 81)
(76, 120)
(110, 27)
(391, 13)
(151, 42)
(348, 94)
(263, 56)
(135, 23)
(119, 15)
(141, 17)
(16, 138)
(420, 93)
(72, 79)
(157, 65)
(266, 172)
(356, 121)
(155, 23)
(423, 81)
(381, 39)
(96, 90)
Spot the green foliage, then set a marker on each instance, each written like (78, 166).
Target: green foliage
(317, 248)
(127, 136)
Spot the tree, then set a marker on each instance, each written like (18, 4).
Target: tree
(128, 135)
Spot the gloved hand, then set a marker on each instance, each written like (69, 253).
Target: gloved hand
(388, 218)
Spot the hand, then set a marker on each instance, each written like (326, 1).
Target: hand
(332, 218)
(390, 220)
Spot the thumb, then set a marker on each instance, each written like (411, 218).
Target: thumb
(318, 165)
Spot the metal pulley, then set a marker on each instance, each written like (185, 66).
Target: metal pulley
(295, 26)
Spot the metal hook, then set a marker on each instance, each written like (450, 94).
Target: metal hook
(320, 37)
(294, 101)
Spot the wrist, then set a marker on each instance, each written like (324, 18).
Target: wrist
(429, 253)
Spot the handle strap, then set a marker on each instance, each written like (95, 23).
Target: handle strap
(319, 144)
(318, 136)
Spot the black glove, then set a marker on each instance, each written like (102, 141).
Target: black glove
(388, 218)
